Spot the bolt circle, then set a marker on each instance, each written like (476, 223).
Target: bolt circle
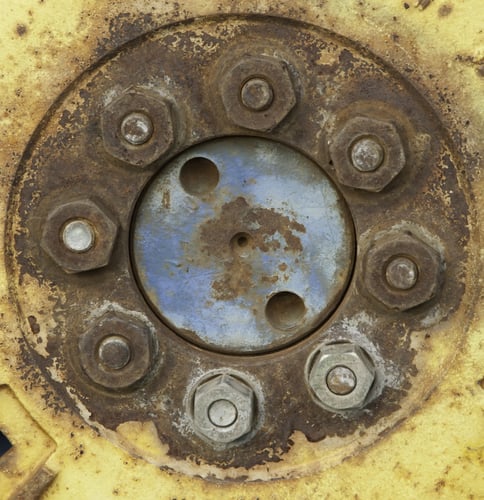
(257, 94)
(222, 413)
(366, 154)
(341, 380)
(137, 128)
(78, 236)
(401, 273)
(114, 352)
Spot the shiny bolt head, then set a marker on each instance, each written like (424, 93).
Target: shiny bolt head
(223, 409)
(79, 235)
(258, 92)
(117, 351)
(367, 153)
(401, 271)
(138, 127)
(341, 380)
(341, 376)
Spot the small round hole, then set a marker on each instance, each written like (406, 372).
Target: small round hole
(242, 241)
(241, 244)
(199, 176)
(285, 310)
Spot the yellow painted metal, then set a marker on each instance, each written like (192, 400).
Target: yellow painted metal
(435, 453)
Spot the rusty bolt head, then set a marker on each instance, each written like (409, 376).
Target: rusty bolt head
(223, 408)
(116, 351)
(138, 127)
(79, 235)
(367, 153)
(258, 93)
(401, 271)
(341, 376)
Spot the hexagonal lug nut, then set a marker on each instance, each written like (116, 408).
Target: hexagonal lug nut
(223, 409)
(147, 136)
(416, 283)
(76, 253)
(117, 351)
(383, 135)
(350, 358)
(263, 112)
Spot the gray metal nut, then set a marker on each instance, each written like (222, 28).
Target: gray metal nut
(116, 351)
(89, 214)
(356, 361)
(415, 285)
(223, 408)
(386, 140)
(258, 92)
(156, 127)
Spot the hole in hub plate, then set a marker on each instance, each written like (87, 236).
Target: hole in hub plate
(285, 310)
(199, 176)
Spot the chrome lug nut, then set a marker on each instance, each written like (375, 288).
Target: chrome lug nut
(223, 408)
(341, 376)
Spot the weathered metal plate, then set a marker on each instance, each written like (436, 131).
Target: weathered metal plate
(414, 459)
(261, 255)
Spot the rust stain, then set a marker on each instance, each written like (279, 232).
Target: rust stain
(238, 215)
(21, 29)
(166, 200)
(34, 326)
(444, 10)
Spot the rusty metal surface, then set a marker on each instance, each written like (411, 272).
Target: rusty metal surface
(333, 82)
(414, 457)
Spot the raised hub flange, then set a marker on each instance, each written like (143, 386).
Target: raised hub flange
(253, 235)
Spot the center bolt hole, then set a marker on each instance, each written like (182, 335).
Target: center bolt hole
(222, 413)
(241, 244)
(199, 176)
(285, 310)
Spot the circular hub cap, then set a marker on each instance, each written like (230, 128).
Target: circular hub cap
(252, 235)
